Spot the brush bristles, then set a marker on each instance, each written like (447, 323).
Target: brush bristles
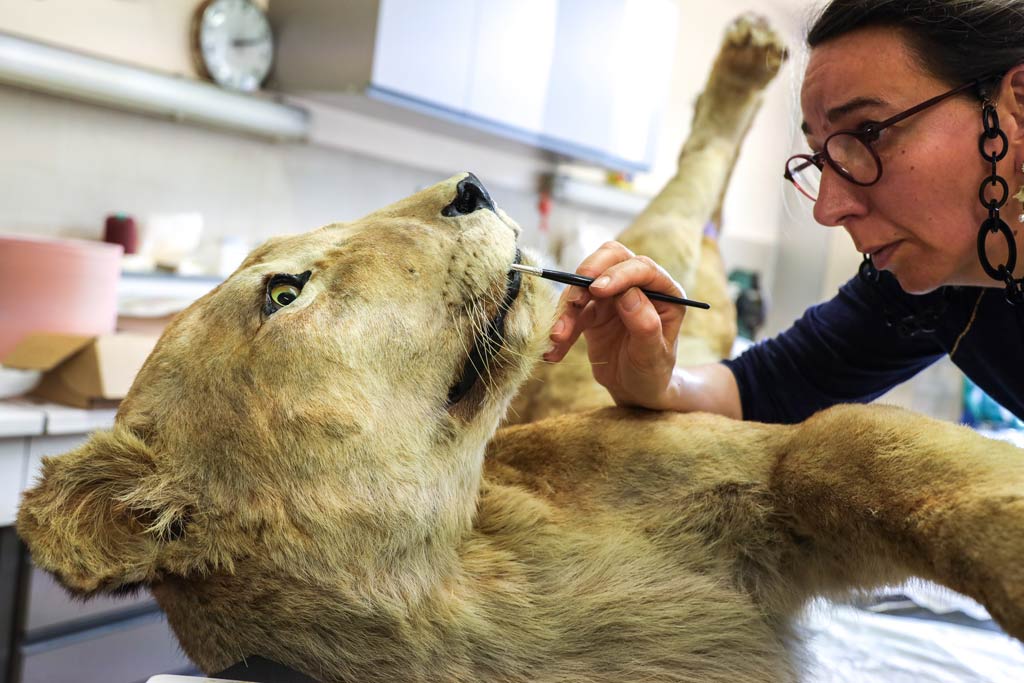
(529, 270)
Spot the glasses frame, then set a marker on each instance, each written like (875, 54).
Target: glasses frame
(867, 135)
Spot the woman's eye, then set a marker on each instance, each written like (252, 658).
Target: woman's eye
(282, 295)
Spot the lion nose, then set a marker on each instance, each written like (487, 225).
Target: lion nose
(470, 195)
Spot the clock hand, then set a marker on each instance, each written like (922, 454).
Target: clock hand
(246, 42)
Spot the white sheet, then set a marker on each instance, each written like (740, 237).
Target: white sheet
(856, 645)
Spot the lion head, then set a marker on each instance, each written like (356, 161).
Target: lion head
(319, 414)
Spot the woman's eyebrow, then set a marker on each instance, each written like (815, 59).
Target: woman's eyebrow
(836, 113)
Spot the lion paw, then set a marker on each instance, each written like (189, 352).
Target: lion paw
(993, 564)
(752, 51)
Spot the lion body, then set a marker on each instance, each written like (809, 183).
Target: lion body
(321, 482)
(576, 567)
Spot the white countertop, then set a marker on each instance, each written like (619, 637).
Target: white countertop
(29, 417)
(20, 420)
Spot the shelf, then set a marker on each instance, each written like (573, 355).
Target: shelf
(37, 66)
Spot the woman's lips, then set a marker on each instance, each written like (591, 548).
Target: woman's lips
(881, 257)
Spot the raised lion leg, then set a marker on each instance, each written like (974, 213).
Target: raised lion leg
(879, 493)
(671, 228)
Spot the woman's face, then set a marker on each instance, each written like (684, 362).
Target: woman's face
(921, 220)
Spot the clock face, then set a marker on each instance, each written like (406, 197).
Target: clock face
(233, 43)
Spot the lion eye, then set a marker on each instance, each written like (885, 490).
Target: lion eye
(282, 295)
(283, 289)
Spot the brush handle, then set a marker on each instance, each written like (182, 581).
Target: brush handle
(584, 281)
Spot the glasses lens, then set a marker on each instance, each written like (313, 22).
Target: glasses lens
(805, 175)
(852, 157)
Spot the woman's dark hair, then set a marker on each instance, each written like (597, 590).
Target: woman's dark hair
(954, 40)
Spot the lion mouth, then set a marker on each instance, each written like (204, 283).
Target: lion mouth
(486, 345)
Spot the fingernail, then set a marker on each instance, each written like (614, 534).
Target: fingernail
(601, 282)
(631, 300)
(557, 329)
(575, 293)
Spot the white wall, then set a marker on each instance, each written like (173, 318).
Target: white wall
(66, 165)
(149, 33)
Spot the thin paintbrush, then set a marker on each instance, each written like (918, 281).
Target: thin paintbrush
(583, 281)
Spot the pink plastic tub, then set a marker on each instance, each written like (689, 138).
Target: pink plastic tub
(56, 285)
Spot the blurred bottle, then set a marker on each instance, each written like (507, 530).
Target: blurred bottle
(750, 303)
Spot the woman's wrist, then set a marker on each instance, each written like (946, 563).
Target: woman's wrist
(708, 388)
(678, 393)
(665, 399)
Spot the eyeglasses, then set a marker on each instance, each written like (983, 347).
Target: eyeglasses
(850, 153)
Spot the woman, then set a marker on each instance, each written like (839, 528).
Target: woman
(915, 112)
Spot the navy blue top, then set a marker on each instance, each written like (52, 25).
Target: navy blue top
(844, 351)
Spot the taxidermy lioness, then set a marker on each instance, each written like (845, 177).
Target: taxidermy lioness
(307, 470)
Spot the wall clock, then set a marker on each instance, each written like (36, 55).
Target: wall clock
(232, 43)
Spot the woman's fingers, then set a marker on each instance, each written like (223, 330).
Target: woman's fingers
(566, 329)
(594, 314)
(564, 334)
(637, 313)
(607, 255)
(637, 271)
(644, 317)
(619, 274)
(573, 300)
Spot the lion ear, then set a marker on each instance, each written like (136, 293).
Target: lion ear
(98, 516)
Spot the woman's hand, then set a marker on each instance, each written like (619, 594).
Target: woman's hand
(631, 340)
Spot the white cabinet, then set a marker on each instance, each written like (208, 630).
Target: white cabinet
(132, 649)
(512, 62)
(13, 456)
(640, 72)
(18, 424)
(584, 78)
(610, 75)
(581, 91)
(424, 50)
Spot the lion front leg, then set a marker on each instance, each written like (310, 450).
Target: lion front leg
(879, 493)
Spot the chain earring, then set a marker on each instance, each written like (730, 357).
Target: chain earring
(1020, 198)
(994, 224)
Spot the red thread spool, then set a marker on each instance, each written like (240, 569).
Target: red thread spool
(120, 229)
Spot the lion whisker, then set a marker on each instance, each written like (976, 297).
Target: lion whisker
(477, 333)
(488, 381)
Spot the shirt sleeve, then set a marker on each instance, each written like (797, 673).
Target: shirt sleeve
(841, 351)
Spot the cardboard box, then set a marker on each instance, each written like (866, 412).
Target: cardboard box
(85, 372)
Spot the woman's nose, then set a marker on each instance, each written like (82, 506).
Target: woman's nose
(838, 199)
